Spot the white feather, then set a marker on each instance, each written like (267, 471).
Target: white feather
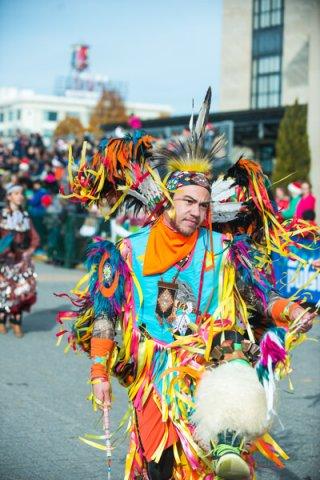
(191, 121)
(224, 195)
(218, 144)
(219, 207)
(203, 114)
(230, 397)
(224, 217)
(138, 196)
(220, 186)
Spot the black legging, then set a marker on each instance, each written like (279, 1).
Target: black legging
(163, 469)
(14, 319)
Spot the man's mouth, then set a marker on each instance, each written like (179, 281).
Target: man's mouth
(191, 222)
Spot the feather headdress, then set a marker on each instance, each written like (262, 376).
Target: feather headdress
(190, 154)
(129, 172)
(118, 173)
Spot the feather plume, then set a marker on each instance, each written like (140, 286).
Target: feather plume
(184, 164)
(225, 212)
(202, 119)
(218, 144)
(189, 154)
(227, 207)
(224, 217)
(222, 189)
(226, 195)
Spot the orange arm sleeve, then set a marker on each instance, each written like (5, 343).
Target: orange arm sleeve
(101, 350)
(281, 311)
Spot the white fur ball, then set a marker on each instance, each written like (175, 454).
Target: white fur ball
(230, 397)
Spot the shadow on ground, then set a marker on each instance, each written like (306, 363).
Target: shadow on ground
(42, 320)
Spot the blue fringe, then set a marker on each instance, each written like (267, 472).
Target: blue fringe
(110, 306)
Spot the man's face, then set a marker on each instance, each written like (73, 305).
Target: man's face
(191, 205)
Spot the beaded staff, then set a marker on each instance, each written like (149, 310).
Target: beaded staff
(106, 425)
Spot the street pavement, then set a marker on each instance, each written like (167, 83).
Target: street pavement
(43, 407)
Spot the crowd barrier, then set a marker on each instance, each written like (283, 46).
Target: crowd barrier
(293, 278)
(64, 237)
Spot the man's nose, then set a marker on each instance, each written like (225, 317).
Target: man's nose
(195, 211)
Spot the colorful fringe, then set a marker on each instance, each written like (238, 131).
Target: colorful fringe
(252, 266)
(119, 172)
(104, 293)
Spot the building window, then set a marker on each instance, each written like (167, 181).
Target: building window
(51, 116)
(1, 117)
(266, 156)
(18, 114)
(266, 82)
(267, 13)
(267, 43)
(10, 116)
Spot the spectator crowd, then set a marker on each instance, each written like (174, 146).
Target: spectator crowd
(41, 171)
(297, 203)
(63, 227)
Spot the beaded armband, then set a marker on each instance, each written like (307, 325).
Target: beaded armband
(100, 360)
(101, 350)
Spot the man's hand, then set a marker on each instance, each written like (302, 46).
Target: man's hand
(303, 317)
(101, 389)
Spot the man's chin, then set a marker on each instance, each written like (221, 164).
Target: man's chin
(187, 232)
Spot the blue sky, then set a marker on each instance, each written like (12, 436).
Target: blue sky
(167, 51)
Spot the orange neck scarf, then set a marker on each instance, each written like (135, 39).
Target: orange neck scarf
(166, 247)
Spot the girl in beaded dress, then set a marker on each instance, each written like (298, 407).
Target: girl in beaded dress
(18, 240)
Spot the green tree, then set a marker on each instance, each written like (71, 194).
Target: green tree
(292, 146)
(109, 109)
(69, 126)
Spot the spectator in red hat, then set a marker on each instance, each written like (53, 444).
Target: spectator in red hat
(307, 201)
(46, 200)
(295, 191)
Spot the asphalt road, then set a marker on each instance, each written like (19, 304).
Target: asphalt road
(43, 407)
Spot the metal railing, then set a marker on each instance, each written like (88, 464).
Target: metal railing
(64, 237)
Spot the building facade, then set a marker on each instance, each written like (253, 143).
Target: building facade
(266, 58)
(270, 58)
(30, 112)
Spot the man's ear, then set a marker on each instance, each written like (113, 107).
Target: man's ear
(171, 212)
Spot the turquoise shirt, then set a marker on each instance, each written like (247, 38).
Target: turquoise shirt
(188, 280)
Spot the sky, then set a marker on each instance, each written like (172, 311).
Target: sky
(166, 51)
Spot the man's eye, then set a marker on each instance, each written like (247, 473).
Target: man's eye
(189, 202)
